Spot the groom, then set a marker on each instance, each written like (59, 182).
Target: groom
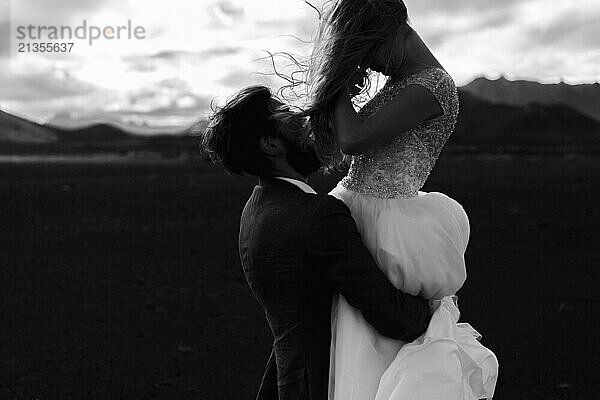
(298, 248)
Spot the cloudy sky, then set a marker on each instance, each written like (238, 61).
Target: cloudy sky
(194, 52)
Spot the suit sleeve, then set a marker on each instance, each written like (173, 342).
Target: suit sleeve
(268, 387)
(336, 248)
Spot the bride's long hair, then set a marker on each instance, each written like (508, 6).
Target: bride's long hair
(350, 32)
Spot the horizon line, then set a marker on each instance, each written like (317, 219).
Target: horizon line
(487, 76)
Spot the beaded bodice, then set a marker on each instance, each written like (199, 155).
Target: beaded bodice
(400, 168)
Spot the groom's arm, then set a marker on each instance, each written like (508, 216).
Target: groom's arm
(336, 247)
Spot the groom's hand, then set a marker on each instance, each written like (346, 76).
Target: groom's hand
(357, 82)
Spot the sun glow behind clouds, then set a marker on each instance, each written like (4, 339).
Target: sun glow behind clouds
(209, 47)
(195, 51)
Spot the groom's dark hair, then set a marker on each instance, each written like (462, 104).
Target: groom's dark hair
(232, 138)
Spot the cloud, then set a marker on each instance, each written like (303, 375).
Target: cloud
(139, 63)
(45, 13)
(230, 9)
(42, 86)
(167, 97)
(57, 10)
(151, 62)
(4, 38)
(575, 29)
(178, 55)
(199, 50)
(534, 39)
(423, 8)
(239, 79)
(443, 28)
(220, 51)
(225, 14)
(170, 103)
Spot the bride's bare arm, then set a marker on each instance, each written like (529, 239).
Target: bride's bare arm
(409, 107)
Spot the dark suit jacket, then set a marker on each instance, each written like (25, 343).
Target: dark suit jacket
(297, 250)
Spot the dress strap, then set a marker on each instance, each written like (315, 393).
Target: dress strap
(437, 81)
(429, 78)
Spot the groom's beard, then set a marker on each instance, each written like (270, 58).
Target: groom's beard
(305, 162)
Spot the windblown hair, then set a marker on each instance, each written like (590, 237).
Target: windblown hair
(351, 31)
(232, 138)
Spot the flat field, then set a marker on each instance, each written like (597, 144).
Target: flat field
(121, 280)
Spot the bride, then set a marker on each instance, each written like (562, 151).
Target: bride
(418, 239)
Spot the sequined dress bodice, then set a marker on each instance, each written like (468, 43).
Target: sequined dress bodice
(401, 167)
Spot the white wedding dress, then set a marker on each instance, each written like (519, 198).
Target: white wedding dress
(418, 239)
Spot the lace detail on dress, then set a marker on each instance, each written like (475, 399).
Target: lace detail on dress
(400, 168)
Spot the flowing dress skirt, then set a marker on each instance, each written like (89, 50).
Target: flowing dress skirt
(419, 243)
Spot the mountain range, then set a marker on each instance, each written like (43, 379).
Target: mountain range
(484, 123)
(21, 136)
(584, 98)
(493, 113)
(503, 113)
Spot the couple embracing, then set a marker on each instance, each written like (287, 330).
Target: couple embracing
(358, 285)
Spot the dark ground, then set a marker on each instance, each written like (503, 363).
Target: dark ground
(123, 282)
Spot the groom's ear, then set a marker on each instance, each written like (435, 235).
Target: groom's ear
(272, 146)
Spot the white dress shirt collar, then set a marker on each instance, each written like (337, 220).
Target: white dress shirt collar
(303, 186)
